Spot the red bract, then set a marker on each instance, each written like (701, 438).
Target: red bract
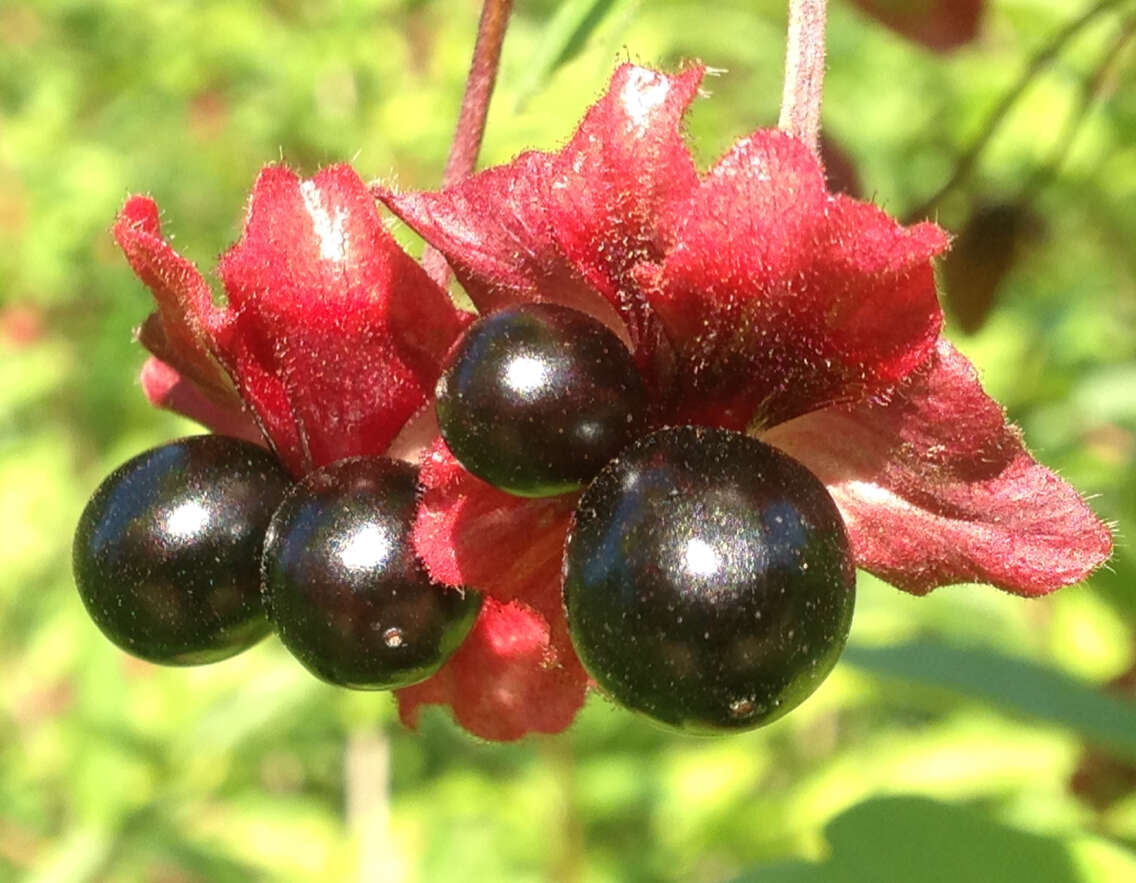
(332, 336)
(750, 296)
(753, 299)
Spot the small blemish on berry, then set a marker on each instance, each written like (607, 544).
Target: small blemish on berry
(741, 708)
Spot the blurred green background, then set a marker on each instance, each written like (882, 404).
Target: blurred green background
(967, 736)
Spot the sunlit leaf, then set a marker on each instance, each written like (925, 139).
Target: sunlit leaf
(563, 38)
(1014, 685)
(913, 838)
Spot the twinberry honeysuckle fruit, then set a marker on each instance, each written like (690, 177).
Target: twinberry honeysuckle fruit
(754, 300)
(536, 398)
(707, 580)
(342, 585)
(166, 554)
(750, 298)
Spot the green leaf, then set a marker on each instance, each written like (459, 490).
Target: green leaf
(1015, 685)
(913, 838)
(562, 41)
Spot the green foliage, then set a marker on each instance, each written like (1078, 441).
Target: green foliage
(952, 736)
(1017, 686)
(910, 838)
(563, 38)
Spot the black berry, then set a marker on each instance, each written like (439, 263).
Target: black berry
(708, 580)
(343, 586)
(167, 551)
(536, 398)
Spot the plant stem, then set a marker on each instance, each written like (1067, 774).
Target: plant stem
(367, 786)
(1037, 64)
(568, 853)
(474, 108)
(1091, 91)
(804, 72)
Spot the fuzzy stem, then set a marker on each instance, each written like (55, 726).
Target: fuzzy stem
(474, 109)
(804, 72)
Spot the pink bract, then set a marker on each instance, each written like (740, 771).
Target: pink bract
(750, 296)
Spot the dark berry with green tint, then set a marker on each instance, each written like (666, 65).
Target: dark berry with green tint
(708, 580)
(167, 552)
(343, 586)
(537, 398)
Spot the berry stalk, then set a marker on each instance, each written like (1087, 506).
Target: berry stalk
(804, 71)
(474, 109)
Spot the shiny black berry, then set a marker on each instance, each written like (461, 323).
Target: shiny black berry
(167, 552)
(708, 580)
(343, 586)
(537, 398)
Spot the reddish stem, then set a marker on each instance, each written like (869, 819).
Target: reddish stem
(804, 72)
(474, 108)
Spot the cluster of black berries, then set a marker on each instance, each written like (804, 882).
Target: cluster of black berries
(707, 576)
(191, 552)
